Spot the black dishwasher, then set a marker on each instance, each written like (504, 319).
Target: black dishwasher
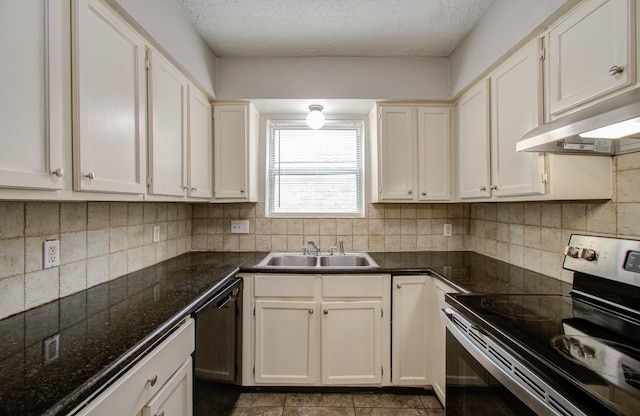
(218, 355)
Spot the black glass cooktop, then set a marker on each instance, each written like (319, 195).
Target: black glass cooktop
(589, 352)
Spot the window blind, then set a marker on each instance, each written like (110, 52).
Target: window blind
(315, 171)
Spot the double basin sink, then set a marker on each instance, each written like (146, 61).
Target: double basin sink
(277, 260)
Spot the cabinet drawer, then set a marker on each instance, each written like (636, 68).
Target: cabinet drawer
(346, 286)
(133, 389)
(282, 286)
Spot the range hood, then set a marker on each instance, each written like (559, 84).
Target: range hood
(583, 132)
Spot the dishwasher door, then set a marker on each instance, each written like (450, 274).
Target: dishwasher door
(219, 336)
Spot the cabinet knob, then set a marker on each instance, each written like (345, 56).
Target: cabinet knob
(153, 380)
(241, 191)
(424, 193)
(159, 413)
(90, 175)
(494, 187)
(58, 172)
(399, 286)
(185, 188)
(615, 70)
(483, 188)
(193, 189)
(410, 192)
(310, 311)
(326, 312)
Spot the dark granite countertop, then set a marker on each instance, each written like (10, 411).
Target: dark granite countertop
(103, 329)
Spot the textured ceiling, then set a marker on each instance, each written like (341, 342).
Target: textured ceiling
(289, 28)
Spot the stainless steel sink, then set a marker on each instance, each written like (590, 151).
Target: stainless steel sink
(276, 260)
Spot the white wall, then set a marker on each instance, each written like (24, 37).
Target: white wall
(348, 78)
(163, 21)
(506, 25)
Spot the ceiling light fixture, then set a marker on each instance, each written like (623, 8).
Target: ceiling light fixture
(315, 118)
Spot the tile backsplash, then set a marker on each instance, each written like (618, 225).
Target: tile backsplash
(99, 241)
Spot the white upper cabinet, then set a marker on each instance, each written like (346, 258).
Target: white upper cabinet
(413, 160)
(180, 136)
(474, 174)
(200, 133)
(31, 109)
(591, 53)
(516, 108)
(235, 152)
(167, 128)
(109, 101)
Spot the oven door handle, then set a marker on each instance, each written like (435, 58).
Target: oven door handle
(512, 374)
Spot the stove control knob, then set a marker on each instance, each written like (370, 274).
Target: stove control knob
(571, 251)
(587, 254)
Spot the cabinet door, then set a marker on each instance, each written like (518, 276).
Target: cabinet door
(176, 396)
(434, 153)
(351, 342)
(438, 346)
(516, 89)
(168, 128)
(584, 50)
(32, 88)
(231, 147)
(200, 145)
(473, 143)
(286, 342)
(411, 359)
(397, 149)
(109, 101)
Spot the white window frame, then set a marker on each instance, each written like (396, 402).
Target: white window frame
(354, 121)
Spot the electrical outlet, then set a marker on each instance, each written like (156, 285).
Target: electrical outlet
(240, 227)
(51, 349)
(51, 253)
(156, 233)
(447, 230)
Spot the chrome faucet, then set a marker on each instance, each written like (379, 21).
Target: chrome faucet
(341, 247)
(312, 244)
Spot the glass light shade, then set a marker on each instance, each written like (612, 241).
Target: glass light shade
(315, 118)
(615, 131)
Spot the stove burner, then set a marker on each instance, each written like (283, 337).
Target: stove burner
(517, 310)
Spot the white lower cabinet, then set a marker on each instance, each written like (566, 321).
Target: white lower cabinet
(411, 330)
(286, 342)
(418, 335)
(321, 329)
(159, 382)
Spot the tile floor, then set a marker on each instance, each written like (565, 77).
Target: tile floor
(336, 404)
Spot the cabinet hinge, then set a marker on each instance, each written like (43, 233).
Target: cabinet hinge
(149, 181)
(381, 371)
(545, 178)
(380, 190)
(147, 64)
(254, 371)
(254, 311)
(542, 54)
(381, 313)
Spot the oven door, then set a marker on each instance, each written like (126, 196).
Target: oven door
(484, 379)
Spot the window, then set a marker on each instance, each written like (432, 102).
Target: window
(315, 172)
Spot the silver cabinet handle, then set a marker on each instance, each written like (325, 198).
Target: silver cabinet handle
(326, 312)
(615, 70)
(90, 175)
(494, 187)
(159, 413)
(153, 380)
(310, 311)
(58, 172)
(185, 188)
(483, 188)
(193, 189)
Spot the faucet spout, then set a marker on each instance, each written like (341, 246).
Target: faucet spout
(316, 248)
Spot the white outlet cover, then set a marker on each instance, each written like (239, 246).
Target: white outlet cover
(240, 227)
(447, 230)
(51, 254)
(156, 233)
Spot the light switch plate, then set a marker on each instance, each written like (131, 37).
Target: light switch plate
(240, 227)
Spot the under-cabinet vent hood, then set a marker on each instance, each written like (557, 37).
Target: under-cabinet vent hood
(589, 131)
